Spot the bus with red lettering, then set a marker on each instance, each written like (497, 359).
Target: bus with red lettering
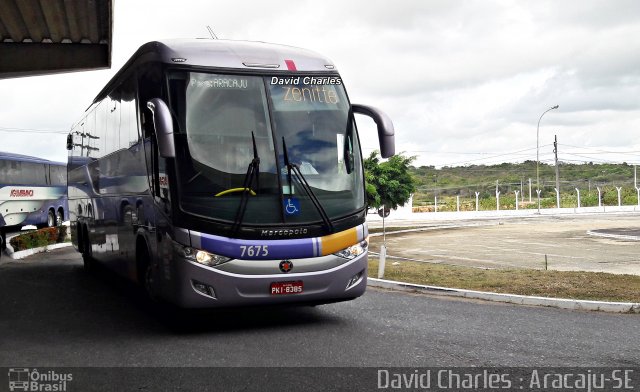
(33, 191)
(224, 173)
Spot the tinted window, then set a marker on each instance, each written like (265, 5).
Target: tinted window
(22, 173)
(58, 174)
(128, 115)
(222, 115)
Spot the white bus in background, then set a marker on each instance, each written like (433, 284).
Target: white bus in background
(33, 191)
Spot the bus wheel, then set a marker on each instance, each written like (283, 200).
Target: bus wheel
(59, 217)
(149, 282)
(87, 255)
(51, 219)
(145, 271)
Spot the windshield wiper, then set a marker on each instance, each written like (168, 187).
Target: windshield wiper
(253, 171)
(292, 167)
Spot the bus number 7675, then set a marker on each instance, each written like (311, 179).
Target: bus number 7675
(255, 250)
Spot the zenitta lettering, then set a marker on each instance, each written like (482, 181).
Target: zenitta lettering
(311, 94)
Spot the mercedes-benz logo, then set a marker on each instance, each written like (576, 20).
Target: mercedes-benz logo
(286, 266)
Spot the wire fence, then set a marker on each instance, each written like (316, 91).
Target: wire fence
(572, 194)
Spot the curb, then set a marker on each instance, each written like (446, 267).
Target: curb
(561, 303)
(28, 252)
(432, 228)
(596, 233)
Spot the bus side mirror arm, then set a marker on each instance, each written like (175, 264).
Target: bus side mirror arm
(386, 132)
(163, 124)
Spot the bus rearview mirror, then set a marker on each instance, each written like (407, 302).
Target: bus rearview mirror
(386, 132)
(69, 142)
(163, 125)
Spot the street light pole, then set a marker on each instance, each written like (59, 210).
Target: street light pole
(538, 154)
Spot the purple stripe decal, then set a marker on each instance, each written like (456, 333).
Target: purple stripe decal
(258, 249)
(264, 249)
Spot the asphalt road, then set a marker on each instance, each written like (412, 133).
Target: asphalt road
(54, 314)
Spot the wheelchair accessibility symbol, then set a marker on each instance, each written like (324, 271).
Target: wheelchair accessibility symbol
(292, 206)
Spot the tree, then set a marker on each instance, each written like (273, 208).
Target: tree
(388, 183)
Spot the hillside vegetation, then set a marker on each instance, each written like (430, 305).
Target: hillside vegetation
(464, 181)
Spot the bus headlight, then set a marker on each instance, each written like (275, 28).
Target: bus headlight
(202, 257)
(353, 251)
(210, 259)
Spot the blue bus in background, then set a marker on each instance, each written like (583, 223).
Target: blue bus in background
(33, 191)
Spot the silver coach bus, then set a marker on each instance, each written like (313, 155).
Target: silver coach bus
(224, 173)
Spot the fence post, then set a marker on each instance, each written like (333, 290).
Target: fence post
(578, 190)
(435, 203)
(619, 188)
(477, 203)
(383, 249)
(638, 193)
(381, 261)
(557, 198)
(599, 196)
(497, 200)
(458, 203)
(516, 192)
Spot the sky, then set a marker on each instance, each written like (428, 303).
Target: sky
(465, 82)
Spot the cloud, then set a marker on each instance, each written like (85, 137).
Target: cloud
(468, 77)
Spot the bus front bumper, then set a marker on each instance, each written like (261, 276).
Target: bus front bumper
(206, 287)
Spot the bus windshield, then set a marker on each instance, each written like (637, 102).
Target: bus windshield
(220, 116)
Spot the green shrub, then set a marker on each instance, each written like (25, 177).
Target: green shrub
(39, 238)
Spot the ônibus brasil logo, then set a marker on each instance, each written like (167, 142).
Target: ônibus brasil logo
(23, 379)
(21, 193)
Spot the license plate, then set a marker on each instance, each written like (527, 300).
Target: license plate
(284, 288)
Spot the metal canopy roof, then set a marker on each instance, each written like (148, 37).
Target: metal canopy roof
(40, 37)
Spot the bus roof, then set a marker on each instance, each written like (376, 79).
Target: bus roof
(8, 156)
(224, 54)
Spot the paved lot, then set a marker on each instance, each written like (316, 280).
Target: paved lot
(523, 243)
(54, 314)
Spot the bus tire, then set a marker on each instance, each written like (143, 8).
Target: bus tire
(145, 269)
(88, 261)
(59, 217)
(51, 219)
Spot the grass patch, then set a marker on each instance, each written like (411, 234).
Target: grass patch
(39, 238)
(597, 286)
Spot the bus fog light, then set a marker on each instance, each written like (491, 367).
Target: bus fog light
(203, 289)
(357, 278)
(200, 287)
